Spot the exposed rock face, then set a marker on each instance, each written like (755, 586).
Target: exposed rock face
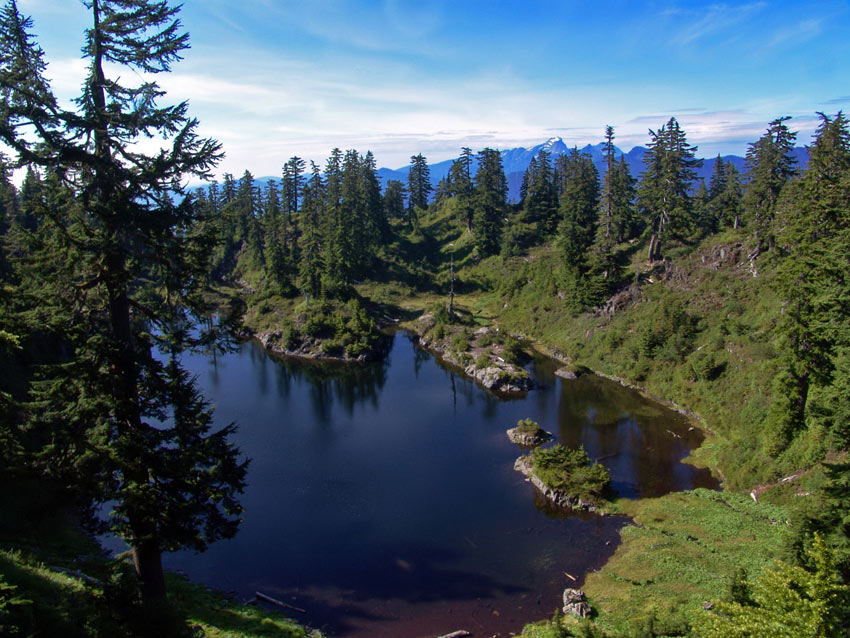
(558, 497)
(527, 439)
(575, 603)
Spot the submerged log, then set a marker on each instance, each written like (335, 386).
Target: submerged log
(274, 601)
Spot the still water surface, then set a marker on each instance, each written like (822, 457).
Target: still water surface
(383, 499)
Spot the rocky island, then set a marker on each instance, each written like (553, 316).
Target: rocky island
(566, 477)
(528, 433)
(484, 354)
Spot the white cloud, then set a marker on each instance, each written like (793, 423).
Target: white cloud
(714, 21)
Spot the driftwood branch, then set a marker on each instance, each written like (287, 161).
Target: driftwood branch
(280, 603)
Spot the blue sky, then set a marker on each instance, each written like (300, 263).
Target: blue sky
(272, 78)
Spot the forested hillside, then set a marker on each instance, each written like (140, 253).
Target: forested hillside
(729, 297)
(723, 297)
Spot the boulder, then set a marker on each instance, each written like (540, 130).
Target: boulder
(529, 439)
(575, 603)
(506, 380)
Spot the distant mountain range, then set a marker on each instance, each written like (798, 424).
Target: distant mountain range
(516, 160)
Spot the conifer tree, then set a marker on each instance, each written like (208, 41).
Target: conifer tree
(787, 600)
(703, 214)
(465, 186)
(579, 208)
(329, 229)
(664, 192)
(626, 224)
(135, 262)
(248, 211)
(274, 236)
(394, 196)
(489, 201)
(418, 182)
(292, 185)
(608, 195)
(377, 226)
(540, 199)
(352, 234)
(311, 265)
(813, 329)
(725, 194)
(770, 165)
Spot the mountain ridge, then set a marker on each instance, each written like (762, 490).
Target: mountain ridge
(516, 160)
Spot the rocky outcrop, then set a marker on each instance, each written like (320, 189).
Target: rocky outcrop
(575, 603)
(311, 348)
(498, 375)
(507, 379)
(529, 439)
(558, 497)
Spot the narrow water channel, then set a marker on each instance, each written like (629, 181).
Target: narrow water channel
(383, 500)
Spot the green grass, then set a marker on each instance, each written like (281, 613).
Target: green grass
(683, 550)
(61, 604)
(56, 581)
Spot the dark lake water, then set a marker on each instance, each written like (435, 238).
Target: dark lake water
(383, 499)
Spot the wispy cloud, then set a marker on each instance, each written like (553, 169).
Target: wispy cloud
(802, 32)
(838, 101)
(717, 20)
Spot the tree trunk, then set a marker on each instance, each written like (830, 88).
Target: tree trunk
(653, 247)
(147, 559)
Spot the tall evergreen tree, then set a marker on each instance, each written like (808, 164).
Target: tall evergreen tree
(292, 185)
(813, 329)
(703, 214)
(247, 209)
(770, 165)
(377, 226)
(616, 213)
(137, 261)
(274, 237)
(540, 199)
(394, 196)
(418, 182)
(579, 208)
(608, 196)
(664, 192)
(725, 194)
(311, 264)
(465, 186)
(489, 201)
(626, 224)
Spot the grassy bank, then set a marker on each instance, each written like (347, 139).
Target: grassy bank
(56, 581)
(682, 551)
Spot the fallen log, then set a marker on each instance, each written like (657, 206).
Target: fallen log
(456, 634)
(274, 601)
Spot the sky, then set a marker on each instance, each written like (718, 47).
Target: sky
(271, 79)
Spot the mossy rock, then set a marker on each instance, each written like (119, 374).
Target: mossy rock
(528, 433)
